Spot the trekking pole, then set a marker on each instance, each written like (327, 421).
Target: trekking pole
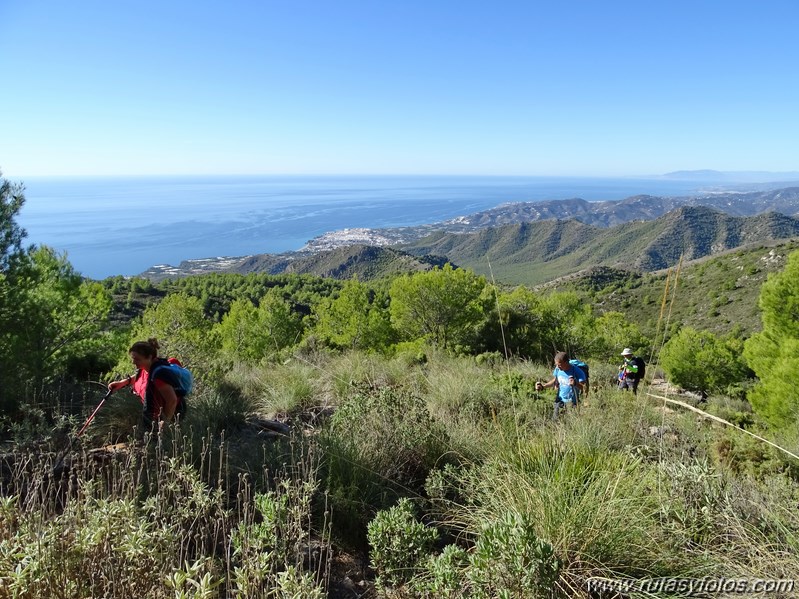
(57, 469)
(97, 409)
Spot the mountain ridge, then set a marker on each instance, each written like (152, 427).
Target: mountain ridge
(605, 213)
(555, 242)
(532, 253)
(364, 261)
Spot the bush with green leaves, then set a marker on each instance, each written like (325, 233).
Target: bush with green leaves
(183, 331)
(399, 544)
(104, 540)
(250, 333)
(268, 546)
(700, 361)
(379, 444)
(144, 523)
(774, 352)
(525, 330)
(444, 305)
(51, 320)
(613, 331)
(509, 560)
(444, 575)
(356, 319)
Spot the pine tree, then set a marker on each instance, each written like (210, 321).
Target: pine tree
(774, 352)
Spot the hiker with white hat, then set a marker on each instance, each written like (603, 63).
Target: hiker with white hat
(631, 371)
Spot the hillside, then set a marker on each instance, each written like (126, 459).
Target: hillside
(718, 293)
(365, 262)
(600, 214)
(639, 207)
(533, 253)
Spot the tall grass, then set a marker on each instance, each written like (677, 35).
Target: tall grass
(519, 506)
(372, 370)
(595, 509)
(616, 493)
(379, 445)
(278, 390)
(149, 522)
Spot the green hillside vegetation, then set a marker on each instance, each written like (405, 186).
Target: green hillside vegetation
(717, 294)
(364, 262)
(534, 253)
(524, 253)
(384, 438)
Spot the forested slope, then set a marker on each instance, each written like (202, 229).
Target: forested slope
(534, 253)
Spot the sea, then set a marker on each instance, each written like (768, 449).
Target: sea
(110, 226)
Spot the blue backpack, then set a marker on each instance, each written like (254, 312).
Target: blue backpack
(581, 365)
(183, 375)
(584, 367)
(184, 381)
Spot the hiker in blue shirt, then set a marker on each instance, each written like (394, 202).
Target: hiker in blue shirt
(568, 379)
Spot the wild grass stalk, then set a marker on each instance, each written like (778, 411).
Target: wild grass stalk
(122, 524)
(274, 390)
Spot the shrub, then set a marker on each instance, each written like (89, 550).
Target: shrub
(143, 523)
(267, 547)
(509, 560)
(399, 543)
(379, 444)
(700, 361)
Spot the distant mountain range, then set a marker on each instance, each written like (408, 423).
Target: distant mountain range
(536, 252)
(602, 214)
(532, 242)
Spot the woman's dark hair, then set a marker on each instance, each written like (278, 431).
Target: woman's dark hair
(148, 349)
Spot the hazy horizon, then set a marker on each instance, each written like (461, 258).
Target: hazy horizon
(760, 176)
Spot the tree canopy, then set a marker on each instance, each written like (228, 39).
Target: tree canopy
(356, 319)
(774, 352)
(443, 305)
(701, 361)
(50, 316)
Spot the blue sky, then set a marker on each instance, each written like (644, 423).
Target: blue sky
(413, 87)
